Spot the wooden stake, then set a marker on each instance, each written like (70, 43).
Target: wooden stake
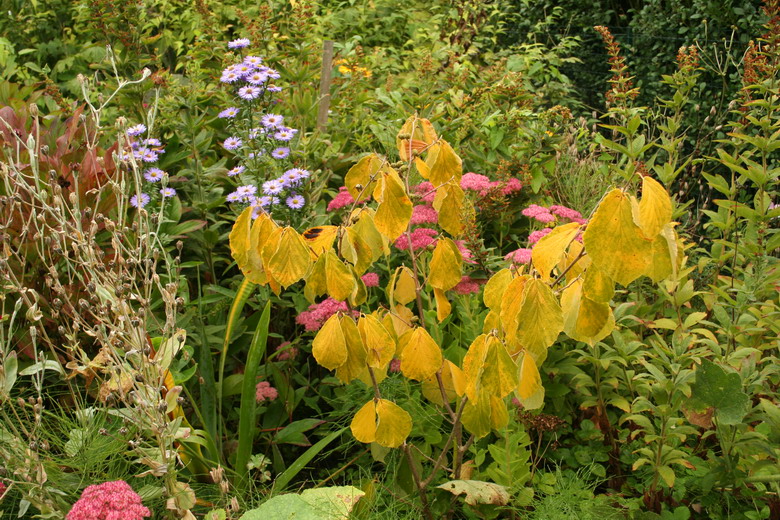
(325, 80)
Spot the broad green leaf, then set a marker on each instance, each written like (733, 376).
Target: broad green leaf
(421, 356)
(716, 388)
(548, 252)
(329, 503)
(445, 266)
(614, 242)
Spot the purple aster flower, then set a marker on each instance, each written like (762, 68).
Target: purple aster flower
(253, 61)
(228, 113)
(168, 192)
(229, 77)
(154, 174)
(295, 202)
(256, 78)
(242, 69)
(136, 130)
(272, 120)
(249, 92)
(246, 191)
(239, 44)
(291, 177)
(273, 73)
(272, 187)
(152, 142)
(280, 153)
(231, 143)
(150, 156)
(236, 171)
(265, 200)
(273, 88)
(284, 135)
(139, 202)
(233, 197)
(253, 133)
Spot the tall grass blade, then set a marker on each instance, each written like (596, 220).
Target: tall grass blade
(246, 422)
(285, 477)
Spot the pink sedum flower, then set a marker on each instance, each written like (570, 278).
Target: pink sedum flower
(394, 366)
(286, 352)
(536, 236)
(318, 313)
(511, 187)
(519, 256)
(109, 501)
(371, 279)
(421, 238)
(424, 214)
(475, 182)
(425, 191)
(466, 286)
(265, 392)
(465, 252)
(342, 200)
(567, 213)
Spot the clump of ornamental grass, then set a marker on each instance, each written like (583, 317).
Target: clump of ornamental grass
(85, 279)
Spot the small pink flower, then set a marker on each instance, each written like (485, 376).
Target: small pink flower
(475, 182)
(519, 256)
(342, 200)
(395, 366)
(318, 313)
(265, 392)
(286, 352)
(466, 286)
(465, 252)
(545, 218)
(109, 501)
(421, 238)
(535, 236)
(425, 191)
(371, 279)
(424, 214)
(511, 187)
(567, 213)
(3, 489)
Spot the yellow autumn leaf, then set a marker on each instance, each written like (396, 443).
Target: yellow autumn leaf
(320, 238)
(614, 242)
(573, 263)
(329, 347)
(402, 287)
(356, 250)
(359, 293)
(499, 416)
(530, 380)
(655, 207)
(316, 281)
(338, 277)
(584, 319)
(477, 415)
(398, 320)
(413, 136)
(395, 208)
(269, 242)
(363, 225)
(598, 286)
(453, 381)
(548, 252)
(447, 167)
(495, 287)
(445, 266)
(420, 355)
(443, 306)
(488, 366)
(665, 260)
(243, 247)
(492, 322)
(448, 203)
(540, 319)
(356, 351)
(511, 302)
(379, 344)
(291, 261)
(363, 174)
(383, 422)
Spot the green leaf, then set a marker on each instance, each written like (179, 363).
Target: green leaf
(330, 503)
(246, 423)
(293, 469)
(478, 492)
(716, 388)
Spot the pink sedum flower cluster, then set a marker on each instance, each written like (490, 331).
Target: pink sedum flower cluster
(265, 392)
(343, 199)
(552, 214)
(318, 313)
(467, 285)
(286, 352)
(421, 238)
(424, 214)
(519, 256)
(370, 279)
(537, 235)
(109, 501)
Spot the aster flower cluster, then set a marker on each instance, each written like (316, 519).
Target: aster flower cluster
(146, 152)
(260, 140)
(109, 501)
